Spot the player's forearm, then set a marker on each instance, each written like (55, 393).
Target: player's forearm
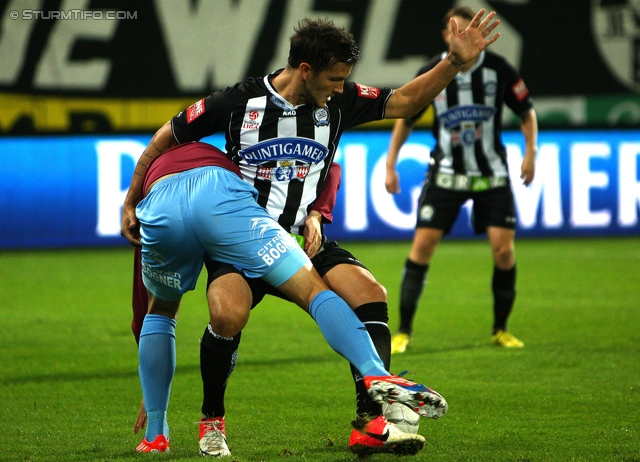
(401, 131)
(315, 215)
(529, 127)
(407, 100)
(162, 140)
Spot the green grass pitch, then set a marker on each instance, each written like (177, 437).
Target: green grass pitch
(69, 388)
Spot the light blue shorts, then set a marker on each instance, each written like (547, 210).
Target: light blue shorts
(210, 213)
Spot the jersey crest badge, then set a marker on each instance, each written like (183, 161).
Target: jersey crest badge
(321, 116)
(284, 173)
(490, 88)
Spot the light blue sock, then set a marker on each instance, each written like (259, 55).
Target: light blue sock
(157, 356)
(345, 333)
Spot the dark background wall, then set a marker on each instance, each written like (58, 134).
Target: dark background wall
(64, 69)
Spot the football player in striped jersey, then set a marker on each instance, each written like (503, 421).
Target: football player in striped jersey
(468, 162)
(282, 130)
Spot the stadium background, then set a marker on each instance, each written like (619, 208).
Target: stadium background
(79, 98)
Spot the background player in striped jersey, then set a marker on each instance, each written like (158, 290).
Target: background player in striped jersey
(468, 162)
(282, 130)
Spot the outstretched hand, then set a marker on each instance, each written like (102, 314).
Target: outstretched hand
(467, 44)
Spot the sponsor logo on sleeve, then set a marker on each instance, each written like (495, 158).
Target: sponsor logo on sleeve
(520, 90)
(195, 110)
(367, 92)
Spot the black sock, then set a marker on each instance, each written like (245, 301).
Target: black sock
(218, 356)
(414, 278)
(504, 294)
(375, 317)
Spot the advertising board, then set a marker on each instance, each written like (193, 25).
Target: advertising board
(59, 191)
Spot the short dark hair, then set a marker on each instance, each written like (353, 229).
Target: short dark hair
(321, 44)
(461, 11)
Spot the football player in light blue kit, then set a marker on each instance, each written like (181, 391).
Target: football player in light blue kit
(197, 207)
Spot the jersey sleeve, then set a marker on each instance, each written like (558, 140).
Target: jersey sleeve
(361, 104)
(326, 201)
(203, 118)
(516, 93)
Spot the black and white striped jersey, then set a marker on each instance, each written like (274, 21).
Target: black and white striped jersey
(468, 116)
(284, 151)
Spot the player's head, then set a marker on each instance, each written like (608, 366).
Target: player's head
(463, 16)
(321, 44)
(323, 55)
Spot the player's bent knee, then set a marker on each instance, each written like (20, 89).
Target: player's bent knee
(228, 317)
(226, 328)
(374, 292)
(382, 292)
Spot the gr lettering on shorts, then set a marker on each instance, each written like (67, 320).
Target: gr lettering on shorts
(169, 279)
(276, 247)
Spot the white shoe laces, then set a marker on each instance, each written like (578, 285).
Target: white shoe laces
(213, 439)
(211, 425)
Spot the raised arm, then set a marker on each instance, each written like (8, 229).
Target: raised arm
(162, 140)
(465, 45)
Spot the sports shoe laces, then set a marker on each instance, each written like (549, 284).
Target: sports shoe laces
(212, 428)
(212, 425)
(401, 380)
